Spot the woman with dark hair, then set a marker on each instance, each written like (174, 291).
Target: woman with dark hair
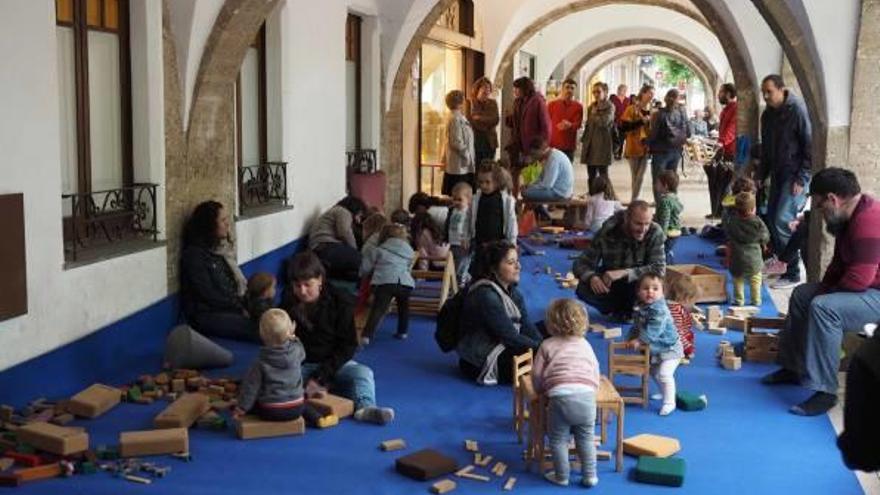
(324, 319)
(333, 237)
(482, 113)
(211, 284)
(530, 119)
(495, 326)
(597, 150)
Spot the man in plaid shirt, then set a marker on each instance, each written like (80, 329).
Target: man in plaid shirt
(628, 245)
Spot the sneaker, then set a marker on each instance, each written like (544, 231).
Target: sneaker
(375, 415)
(818, 403)
(781, 376)
(667, 409)
(401, 336)
(774, 267)
(551, 477)
(785, 283)
(590, 482)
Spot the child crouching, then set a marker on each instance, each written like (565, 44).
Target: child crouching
(653, 327)
(273, 387)
(391, 265)
(566, 370)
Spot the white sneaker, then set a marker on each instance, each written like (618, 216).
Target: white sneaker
(667, 409)
(551, 477)
(590, 482)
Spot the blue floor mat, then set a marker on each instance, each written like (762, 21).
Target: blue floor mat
(745, 441)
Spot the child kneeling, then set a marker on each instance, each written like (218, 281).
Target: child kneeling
(566, 370)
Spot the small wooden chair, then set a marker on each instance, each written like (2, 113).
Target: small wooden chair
(622, 361)
(522, 367)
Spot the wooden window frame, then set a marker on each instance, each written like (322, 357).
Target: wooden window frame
(354, 53)
(466, 17)
(259, 43)
(81, 29)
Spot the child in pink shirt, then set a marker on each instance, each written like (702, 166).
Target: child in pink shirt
(565, 369)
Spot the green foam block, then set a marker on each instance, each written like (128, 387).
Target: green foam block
(668, 471)
(687, 401)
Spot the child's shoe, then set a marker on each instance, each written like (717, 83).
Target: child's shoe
(590, 482)
(551, 477)
(667, 409)
(373, 414)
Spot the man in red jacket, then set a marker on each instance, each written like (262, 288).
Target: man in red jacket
(719, 170)
(566, 115)
(847, 298)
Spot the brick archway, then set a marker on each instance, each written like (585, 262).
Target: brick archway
(707, 74)
(199, 162)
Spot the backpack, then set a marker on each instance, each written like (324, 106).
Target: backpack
(448, 330)
(670, 133)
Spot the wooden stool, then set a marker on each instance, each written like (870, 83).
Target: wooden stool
(609, 401)
(522, 367)
(761, 347)
(622, 361)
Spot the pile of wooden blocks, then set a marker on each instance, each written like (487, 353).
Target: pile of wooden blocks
(761, 347)
(569, 281)
(468, 472)
(727, 356)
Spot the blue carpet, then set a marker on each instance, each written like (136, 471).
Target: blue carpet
(744, 441)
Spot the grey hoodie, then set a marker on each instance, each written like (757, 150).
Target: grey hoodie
(390, 263)
(275, 377)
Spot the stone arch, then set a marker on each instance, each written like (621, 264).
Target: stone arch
(705, 71)
(199, 161)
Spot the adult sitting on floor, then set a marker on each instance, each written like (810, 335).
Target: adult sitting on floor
(495, 326)
(557, 176)
(211, 284)
(847, 298)
(333, 238)
(324, 319)
(627, 246)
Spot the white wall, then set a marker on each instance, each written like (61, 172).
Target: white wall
(64, 305)
(765, 50)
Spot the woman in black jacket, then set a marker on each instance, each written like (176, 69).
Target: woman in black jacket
(494, 323)
(211, 285)
(324, 319)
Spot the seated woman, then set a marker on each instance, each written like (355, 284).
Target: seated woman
(212, 287)
(494, 324)
(324, 319)
(333, 238)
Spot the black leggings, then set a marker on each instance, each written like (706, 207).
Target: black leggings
(382, 295)
(505, 366)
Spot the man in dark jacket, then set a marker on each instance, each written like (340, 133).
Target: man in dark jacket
(860, 440)
(627, 246)
(669, 133)
(786, 159)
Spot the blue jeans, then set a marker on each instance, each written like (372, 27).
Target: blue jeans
(541, 193)
(573, 414)
(661, 162)
(353, 381)
(782, 209)
(810, 342)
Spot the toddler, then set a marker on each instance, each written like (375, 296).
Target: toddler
(429, 241)
(682, 295)
(391, 265)
(456, 228)
(260, 295)
(668, 214)
(566, 370)
(493, 215)
(600, 208)
(273, 386)
(746, 234)
(653, 327)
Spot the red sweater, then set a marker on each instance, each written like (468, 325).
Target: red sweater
(727, 130)
(571, 111)
(620, 105)
(855, 266)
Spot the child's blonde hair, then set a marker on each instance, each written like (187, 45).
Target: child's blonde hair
(500, 175)
(393, 230)
(373, 224)
(463, 188)
(259, 283)
(276, 327)
(566, 318)
(682, 290)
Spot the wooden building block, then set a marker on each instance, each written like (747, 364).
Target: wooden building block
(596, 327)
(652, 445)
(731, 322)
(484, 461)
(509, 484)
(327, 421)
(425, 465)
(392, 445)
(732, 363)
(743, 311)
(333, 404)
(94, 401)
(443, 486)
(612, 333)
(471, 445)
(53, 438)
(716, 330)
(713, 314)
(712, 284)
(138, 479)
(43, 472)
(250, 427)
(153, 442)
(62, 419)
(183, 412)
(603, 455)
(499, 469)
(178, 385)
(475, 477)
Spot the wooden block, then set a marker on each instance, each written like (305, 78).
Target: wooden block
(392, 445)
(250, 427)
(183, 412)
(138, 479)
(732, 363)
(509, 484)
(464, 470)
(596, 327)
(471, 445)
(612, 333)
(6, 463)
(178, 385)
(712, 284)
(484, 461)
(716, 330)
(476, 477)
(425, 465)
(153, 442)
(53, 438)
(333, 404)
(62, 419)
(499, 469)
(327, 421)
(760, 356)
(39, 472)
(443, 486)
(603, 455)
(94, 401)
(652, 445)
(731, 322)
(743, 311)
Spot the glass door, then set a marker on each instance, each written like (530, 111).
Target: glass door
(442, 69)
